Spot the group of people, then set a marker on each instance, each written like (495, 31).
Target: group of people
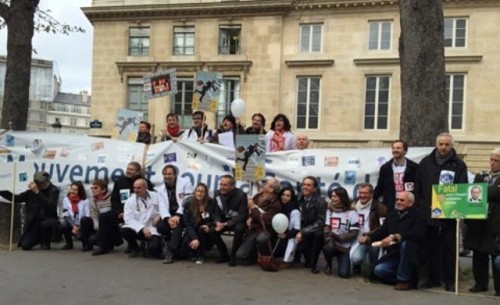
(278, 138)
(388, 225)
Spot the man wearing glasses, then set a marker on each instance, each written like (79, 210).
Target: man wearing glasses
(199, 132)
(41, 211)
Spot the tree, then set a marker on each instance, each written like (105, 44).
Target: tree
(421, 53)
(24, 18)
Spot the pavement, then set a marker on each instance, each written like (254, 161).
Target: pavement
(73, 277)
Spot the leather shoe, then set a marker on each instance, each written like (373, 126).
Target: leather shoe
(476, 289)
(328, 270)
(45, 246)
(222, 260)
(285, 265)
(497, 294)
(314, 270)
(99, 251)
(403, 286)
(431, 285)
(67, 246)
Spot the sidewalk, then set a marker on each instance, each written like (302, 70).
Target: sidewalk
(72, 277)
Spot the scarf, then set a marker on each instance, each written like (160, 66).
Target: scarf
(278, 141)
(174, 131)
(442, 159)
(74, 199)
(288, 208)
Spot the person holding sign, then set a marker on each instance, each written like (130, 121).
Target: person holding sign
(481, 234)
(442, 166)
(402, 236)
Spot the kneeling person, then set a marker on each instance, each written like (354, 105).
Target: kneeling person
(402, 235)
(141, 214)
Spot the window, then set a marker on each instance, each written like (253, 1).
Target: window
(455, 88)
(380, 35)
(377, 101)
(455, 32)
(41, 117)
(183, 102)
(229, 91)
(308, 102)
(229, 39)
(73, 122)
(135, 96)
(310, 38)
(138, 44)
(184, 40)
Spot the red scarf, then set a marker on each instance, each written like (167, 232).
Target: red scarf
(74, 200)
(174, 131)
(278, 141)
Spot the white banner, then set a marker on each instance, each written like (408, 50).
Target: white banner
(69, 158)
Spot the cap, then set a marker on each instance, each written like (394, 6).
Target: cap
(41, 177)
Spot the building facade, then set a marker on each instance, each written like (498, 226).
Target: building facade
(49, 109)
(330, 65)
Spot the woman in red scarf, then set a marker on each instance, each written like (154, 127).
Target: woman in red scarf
(173, 131)
(280, 137)
(75, 206)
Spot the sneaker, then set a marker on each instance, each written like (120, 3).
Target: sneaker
(200, 261)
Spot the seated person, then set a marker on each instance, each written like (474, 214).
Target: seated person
(341, 229)
(42, 223)
(402, 236)
(75, 206)
(286, 241)
(262, 208)
(141, 214)
(200, 214)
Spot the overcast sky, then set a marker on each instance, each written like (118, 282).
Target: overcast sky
(72, 53)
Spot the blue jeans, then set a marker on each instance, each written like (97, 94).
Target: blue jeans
(395, 268)
(358, 256)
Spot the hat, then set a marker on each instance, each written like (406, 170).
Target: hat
(231, 119)
(41, 177)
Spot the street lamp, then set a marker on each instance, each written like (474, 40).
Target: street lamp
(57, 126)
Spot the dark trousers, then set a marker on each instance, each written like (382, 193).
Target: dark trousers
(441, 243)
(259, 241)
(207, 241)
(344, 261)
(87, 231)
(108, 234)
(173, 236)
(311, 246)
(66, 229)
(153, 244)
(480, 269)
(39, 231)
(239, 235)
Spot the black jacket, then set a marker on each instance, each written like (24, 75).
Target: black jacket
(481, 234)
(428, 172)
(312, 218)
(39, 206)
(191, 225)
(411, 225)
(385, 184)
(234, 206)
(124, 183)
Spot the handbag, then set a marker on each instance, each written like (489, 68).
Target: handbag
(267, 262)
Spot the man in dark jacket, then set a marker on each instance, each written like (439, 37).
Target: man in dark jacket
(313, 213)
(396, 175)
(234, 212)
(41, 211)
(442, 166)
(481, 234)
(402, 235)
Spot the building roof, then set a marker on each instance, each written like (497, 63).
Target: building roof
(73, 99)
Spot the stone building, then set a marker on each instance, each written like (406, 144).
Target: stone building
(330, 65)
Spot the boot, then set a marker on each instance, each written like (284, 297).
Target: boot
(168, 258)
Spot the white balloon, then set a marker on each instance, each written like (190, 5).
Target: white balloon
(238, 107)
(280, 223)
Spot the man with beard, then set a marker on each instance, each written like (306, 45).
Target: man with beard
(396, 175)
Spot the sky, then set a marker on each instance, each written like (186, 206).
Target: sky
(72, 53)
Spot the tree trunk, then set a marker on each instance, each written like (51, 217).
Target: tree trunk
(19, 18)
(421, 52)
